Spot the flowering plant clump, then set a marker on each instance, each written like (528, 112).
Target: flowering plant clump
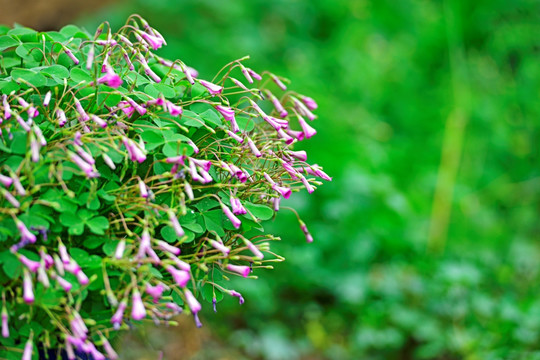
(130, 188)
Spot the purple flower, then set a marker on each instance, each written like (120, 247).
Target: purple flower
(307, 130)
(277, 104)
(111, 79)
(138, 312)
(278, 82)
(180, 277)
(204, 164)
(173, 109)
(234, 220)
(284, 191)
(83, 165)
(316, 170)
(182, 265)
(300, 155)
(47, 99)
(212, 88)
(239, 84)
(238, 295)
(255, 250)
(220, 247)
(192, 303)
(116, 319)
(254, 74)
(253, 148)
(304, 228)
(168, 248)
(23, 123)
(141, 110)
(147, 69)
(28, 291)
(5, 319)
(30, 264)
(99, 121)
(143, 189)
(237, 207)
(80, 110)
(26, 235)
(71, 56)
(307, 185)
(28, 349)
(239, 269)
(227, 112)
(83, 154)
(309, 102)
(155, 291)
(235, 137)
(66, 285)
(61, 117)
(7, 109)
(175, 224)
(302, 109)
(246, 73)
(154, 41)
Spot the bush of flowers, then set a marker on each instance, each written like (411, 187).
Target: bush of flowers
(131, 189)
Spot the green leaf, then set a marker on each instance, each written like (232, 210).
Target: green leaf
(213, 221)
(208, 292)
(173, 148)
(168, 234)
(30, 51)
(98, 225)
(7, 41)
(155, 90)
(10, 264)
(211, 116)
(245, 124)
(29, 76)
(8, 86)
(189, 118)
(78, 75)
(73, 31)
(24, 33)
(206, 204)
(18, 144)
(260, 211)
(196, 228)
(58, 71)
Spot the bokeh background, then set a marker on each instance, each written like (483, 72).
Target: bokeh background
(427, 240)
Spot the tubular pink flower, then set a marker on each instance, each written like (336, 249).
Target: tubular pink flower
(284, 191)
(96, 354)
(128, 60)
(17, 185)
(28, 291)
(307, 185)
(204, 164)
(71, 56)
(176, 159)
(168, 248)
(26, 235)
(136, 106)
(188, 190)
(238, 295)
(42, 277)
(111, 79)
(28, 349)
(227, 112)
(246, 74)
(99, 121)
(108, 161)
(7, 108)
(292, 171)
(299, 135)
(278, 82)
(181, 277)
(116, 319)
(47, 259)
(120, 248)
(182, 265)
(237, 207)
(155, 291)
(302, 109)
(220, 247)
(173, 109)
(254, 74)
(234, 220)
(39, 135)
(80, 110)
(66, 285)
(300, 155)
(84, 155)
(193, 146)
(283, 135)
(154, 41)
(12, 200)
(235, 137)
(62, 250)
(239, 84)
(212, 88)
(125, 40)
(143, 189)
(83, 165)
(316, 171)
(5, 325)
(239, 269)
(82, 278)
(255, 250)
(276, 203)
(21, 122)
(304, 228)
(175, 224)
(30, 110)
(309, 102)
(138, 312)
(253, 148)
(110, 42)
(34, 149)
(308, 130)
(47, 99)
(30, 264)
(61, 117)
(112, 355)
(192, 303)
(6, 180)
(59, 265)
(277, 104)
(90, 58)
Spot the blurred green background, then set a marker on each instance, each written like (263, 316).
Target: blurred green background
(426, 242)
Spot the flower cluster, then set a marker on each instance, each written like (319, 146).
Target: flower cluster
(130, 187)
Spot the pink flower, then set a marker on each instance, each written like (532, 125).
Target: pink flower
(80, 110)
(175, 224)
(66, 285)
(168, 248)
(7, 109)
(116, 319)
(212, 88)
(254, 74)
(237, 207)
(192, 303)
(5, 180)
(154, 41)
(235, 137)
(307, 185)
(120, 248)
(28, 291)
(26, 235)
(239, 269)
(253, 148)
(277, 104)
(220, 247)
(109, 349)
(61, 117)
(143, 189)
(308, 130)
(255, 250)
(13, 201)
(304, 228)
(284, 191)
(173, 109)
(302, 109)
(234, 220)
(28, 349)
(90, 58)
(138, 312)
(5, 326)
(278, 82)
(155, 291)
(47, 99)
(30, 264)
(227, 112)
(111, 79)
(181, 277)
(238, 295)
(141, 110)
(99, 121)
(310, 103)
